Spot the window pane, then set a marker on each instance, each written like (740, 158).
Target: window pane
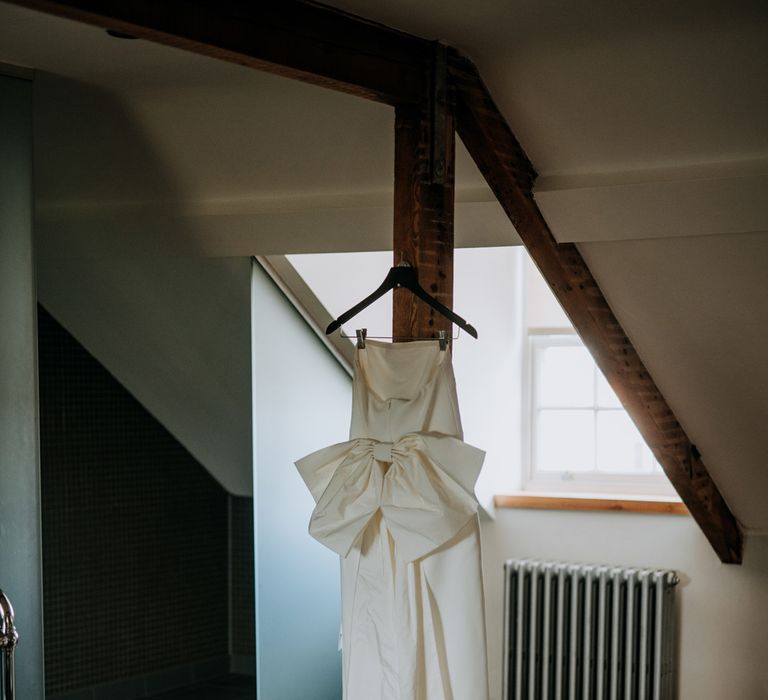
(565, 441)
(565, 376)
(606, 397)
(620, 448)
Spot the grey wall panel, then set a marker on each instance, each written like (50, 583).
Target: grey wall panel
(302, 400)
(19, 451)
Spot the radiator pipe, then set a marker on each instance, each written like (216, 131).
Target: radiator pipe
(9, 637)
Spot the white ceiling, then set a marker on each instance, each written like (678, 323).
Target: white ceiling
(648, 124)
(695, 310)
(601, 86)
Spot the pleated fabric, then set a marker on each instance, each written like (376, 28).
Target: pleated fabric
(397, 503)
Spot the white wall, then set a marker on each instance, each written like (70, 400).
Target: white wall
(302, 401)
(20, 575)
(175, 332)
(488, 284)
(723, 609)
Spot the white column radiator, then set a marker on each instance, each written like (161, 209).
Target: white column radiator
(583, 632)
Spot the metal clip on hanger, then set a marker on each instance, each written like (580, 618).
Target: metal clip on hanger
(362, 333)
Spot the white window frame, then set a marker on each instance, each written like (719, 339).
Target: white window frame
(594, 482)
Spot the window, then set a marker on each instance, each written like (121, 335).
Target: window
(576, 434)
(580, 436)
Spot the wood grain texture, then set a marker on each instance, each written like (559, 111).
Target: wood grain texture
(583, 503)
(301, 40)
(423, 221)
(498, 155)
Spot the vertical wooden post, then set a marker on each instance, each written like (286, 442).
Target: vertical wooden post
(424, 200)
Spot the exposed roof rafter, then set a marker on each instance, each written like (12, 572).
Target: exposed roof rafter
(301, 40)
(498, 155)
(323, 46)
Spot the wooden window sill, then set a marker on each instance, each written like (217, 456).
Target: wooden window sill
(626, 504)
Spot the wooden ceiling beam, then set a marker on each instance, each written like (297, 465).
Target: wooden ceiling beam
(497, 153)
(423, 222)
(300, 40)
(322, 46)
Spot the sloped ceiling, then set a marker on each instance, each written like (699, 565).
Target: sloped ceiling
(648, 125)
(242, 161)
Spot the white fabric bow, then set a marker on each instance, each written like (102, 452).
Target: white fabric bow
(426, 495)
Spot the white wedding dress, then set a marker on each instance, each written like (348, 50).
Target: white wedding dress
(397, 504)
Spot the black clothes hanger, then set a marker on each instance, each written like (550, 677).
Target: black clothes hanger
(403, 275)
